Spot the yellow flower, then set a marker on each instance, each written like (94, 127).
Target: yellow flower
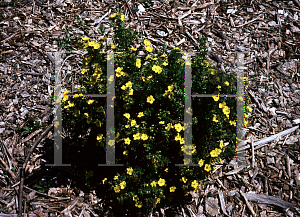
(161, 182)
(161, 122)
(86, 115)
(99, 137)
(98, 123)
(128, 84)
(127, 141)
(119, 69)
(172, 189)
(141, 114)
(207, 63)
(219, 87)
(178, 137)
(132, 48)
(135, 198)
(130, 91)
(90, 101)
(170, 88)
(246, 116)
(65, 98)
(157, 200)
(126, 115)
(211, 70)
(85, 38)
(195, 184)
(96, 46)
(150, 99)
(221, 105)
(226, 110)
(165, 63)
(113, 46)
(84, 71)
(138, 63)
(216, 98)
(213, 153)
(117, 189)
(123, 184)
(138, 204)
(181, 141)
(123, 18)
(144, 137)
(119, 74)
(164, 55)
(178, 127)
(71, 104)
(221, 144)
(113, 15)
(157, 69)
(201, 162)
(125, 152)
(104, 180)
(249, 109)
(153, 183)
(147, 57)
(91, 43)
(207, 167)
(123, 87)
(126, 126)
(218, 151)
(133, 123)
(116, 177)
(221, 161)
(149, 49)
(137, 136)
(184, 179)
(147, 42)
(166, 170)
(226, 83)
(232, 123)
(168, 127)
(215, 118)
(129, 171)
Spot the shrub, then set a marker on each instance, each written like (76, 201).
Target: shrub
(149, 113)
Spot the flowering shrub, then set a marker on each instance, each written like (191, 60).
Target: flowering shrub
(149, 109)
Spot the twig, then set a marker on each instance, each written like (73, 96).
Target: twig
(251, 21)
(269, 139)
(31, 135)
(253, 156)
(297, 3)
(248, 204)
(10, 37)
(8, 169)
(22, 170)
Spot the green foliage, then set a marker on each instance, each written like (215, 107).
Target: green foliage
(149, 113)
(67, 43)
(31, 125)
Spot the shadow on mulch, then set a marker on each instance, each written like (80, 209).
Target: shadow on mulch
(82, 159)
